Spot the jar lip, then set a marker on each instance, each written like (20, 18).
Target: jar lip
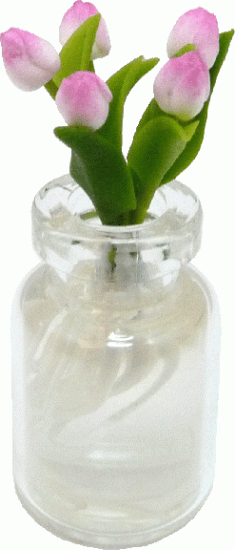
(90, 222)
(61, 206)
(61, 231)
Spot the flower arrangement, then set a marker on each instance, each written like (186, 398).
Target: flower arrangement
(170, 132)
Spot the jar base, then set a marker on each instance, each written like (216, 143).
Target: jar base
(109, 541)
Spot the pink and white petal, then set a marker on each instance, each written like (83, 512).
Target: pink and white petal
(30, 61)
(182, 86)
(102, 43)
(74, 17)
(83, 99)
(198, 27)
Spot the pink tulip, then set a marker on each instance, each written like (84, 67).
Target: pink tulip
(74, 17)
(198, 27)
(182, 86)
(83, 100)
(30, 61)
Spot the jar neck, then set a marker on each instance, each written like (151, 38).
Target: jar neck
(120, 278)
(135, 264)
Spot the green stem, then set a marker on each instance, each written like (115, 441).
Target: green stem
(143, 202)
(51, 88)
(138, 216)
(126, 218)
(122, 219)
(112, 255)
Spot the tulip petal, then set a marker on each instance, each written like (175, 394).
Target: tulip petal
(182, 86)
(198, 27)
(75, 17)
(102, 45)
(30, 61)
(83, 99)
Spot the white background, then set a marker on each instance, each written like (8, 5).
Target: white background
(31, 156)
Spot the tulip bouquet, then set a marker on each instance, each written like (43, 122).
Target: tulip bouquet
(170, 132)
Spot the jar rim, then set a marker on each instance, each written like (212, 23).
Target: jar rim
(174, 198)
(63, 214)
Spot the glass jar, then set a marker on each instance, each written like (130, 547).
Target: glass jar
(115, 371)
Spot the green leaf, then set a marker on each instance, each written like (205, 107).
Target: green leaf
(185, 49)
(153, 151)
(153, 110)
(76, 52)
(51, 88)
(120, 85)
(193, 146)
(101, 170)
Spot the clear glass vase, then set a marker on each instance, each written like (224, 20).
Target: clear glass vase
(115, 342)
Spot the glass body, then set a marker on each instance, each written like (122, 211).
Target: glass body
(115, 341)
